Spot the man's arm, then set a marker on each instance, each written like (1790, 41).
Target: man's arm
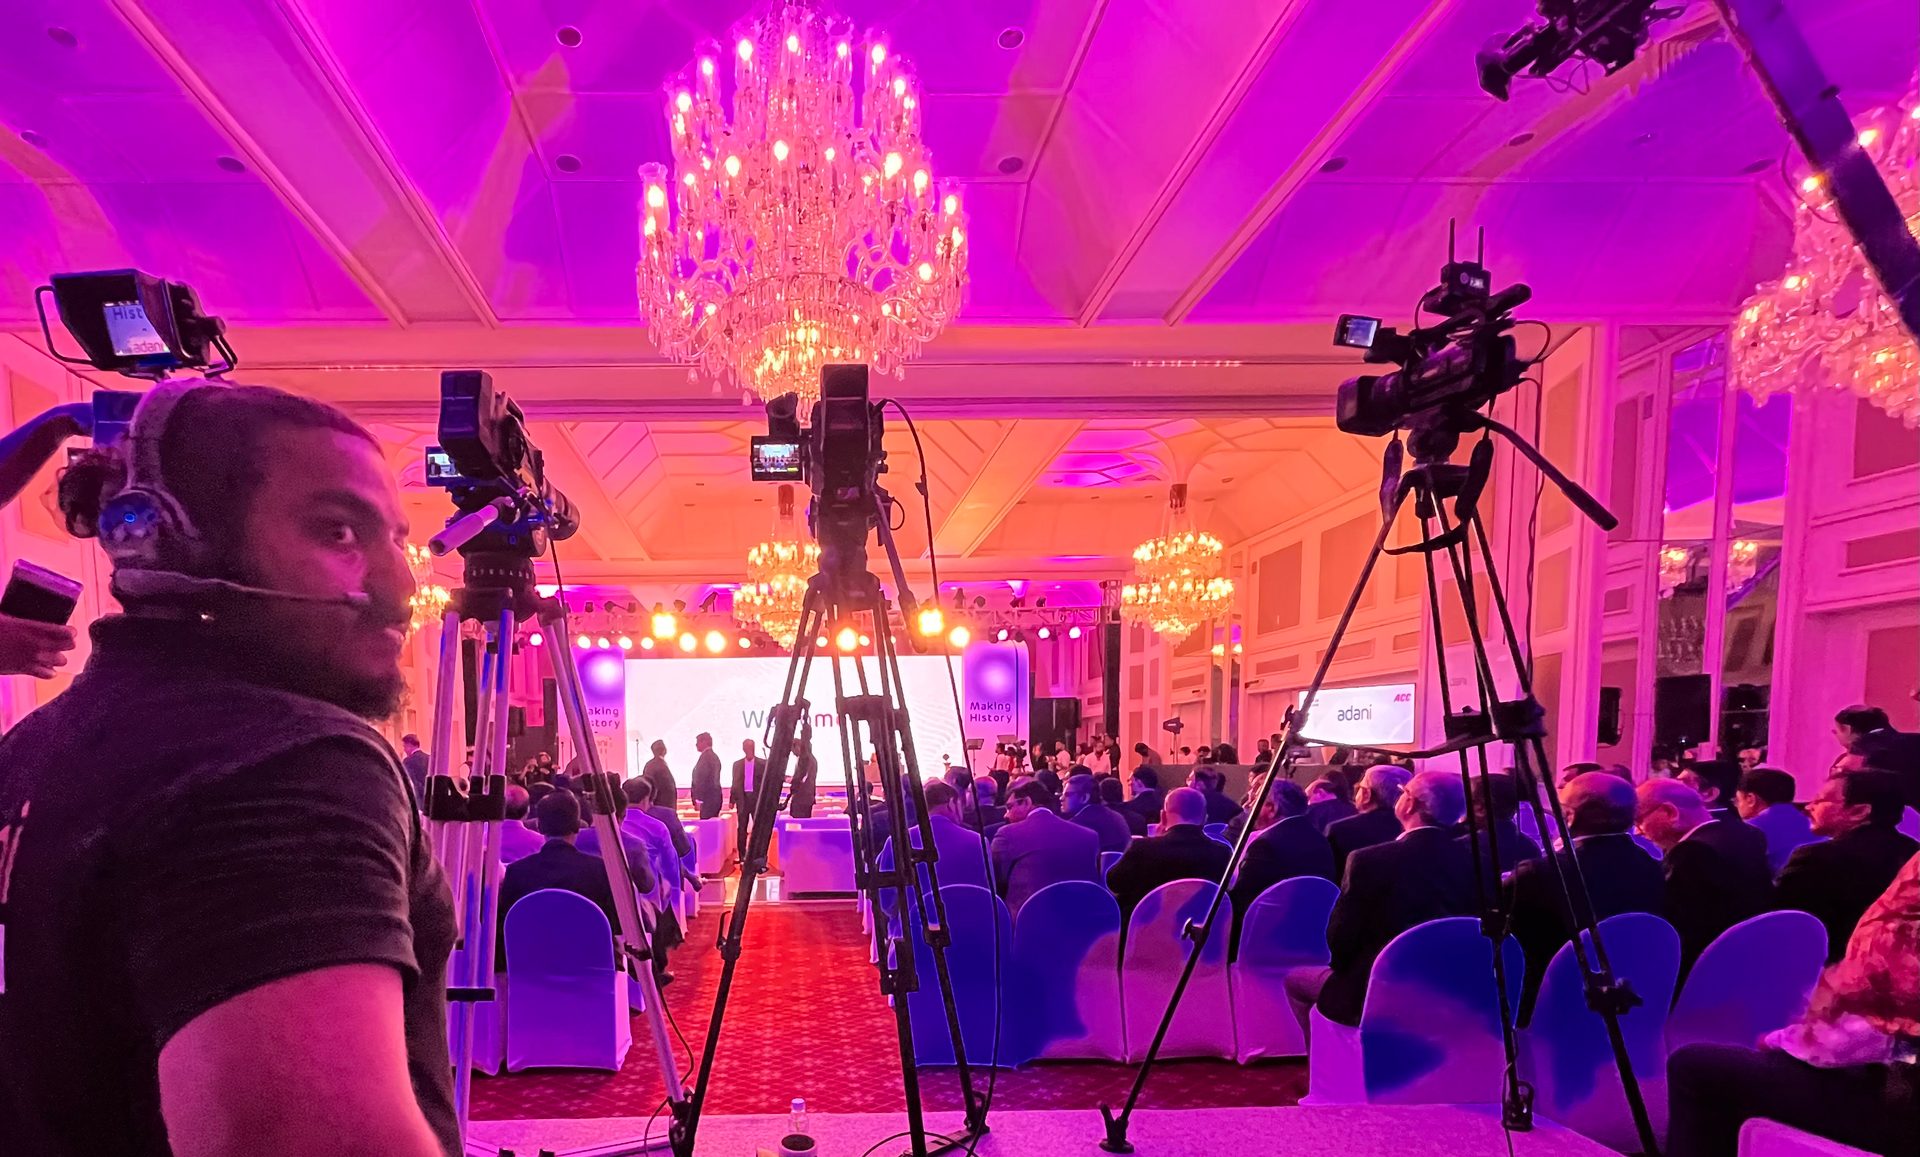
(1799, 886)
(314, 1063)
(1002, 862)
(1347, 923)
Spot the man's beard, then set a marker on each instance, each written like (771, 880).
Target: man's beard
(289, 646)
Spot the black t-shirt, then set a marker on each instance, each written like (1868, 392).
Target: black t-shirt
(133, 905)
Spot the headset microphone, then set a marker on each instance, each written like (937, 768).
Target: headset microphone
(136, 584)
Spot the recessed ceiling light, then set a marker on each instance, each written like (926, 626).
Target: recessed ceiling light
(567, 163)
(568, 36)
(1518, 139)
(62, 37)
(230, 164)
(1645, 138)
(33, 138)
(1759, 166)
(1011, 165)
(1334, 164)
(1012, 38)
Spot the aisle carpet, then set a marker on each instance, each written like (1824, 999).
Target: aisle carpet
(806, 1020)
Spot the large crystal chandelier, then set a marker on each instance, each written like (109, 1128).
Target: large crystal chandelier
(801, 224)
(777, 574)
(429, 600)
(1177, 584)
(1828, 322)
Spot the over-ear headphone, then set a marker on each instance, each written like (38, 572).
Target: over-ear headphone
(143, 526)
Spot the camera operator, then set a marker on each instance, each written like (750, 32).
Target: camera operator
(225, 931)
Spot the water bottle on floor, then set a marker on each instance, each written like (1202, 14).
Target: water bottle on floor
(798, 1142)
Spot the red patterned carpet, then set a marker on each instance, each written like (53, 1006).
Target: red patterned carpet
(806, 1019)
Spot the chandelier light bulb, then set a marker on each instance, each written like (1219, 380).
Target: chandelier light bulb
(879, 54)
(732, 166)
(793, 43)
(706, 66)
(746, 49)
(683, 101)
(1868, 136)
(842, 50)
(780, 150)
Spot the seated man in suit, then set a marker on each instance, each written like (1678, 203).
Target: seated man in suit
(1513, 846)
(558, 864)
(1329, 800)
(1619, 875)
(517, 840)
(1423, 875)
(1037, 848)
(1212, 783)
(960, 855)
(1182, 851)
(664, 859)
(983, 813)
(1115, 798)
(1081, 806)
(1715, 876)
(1718, 781)
(1284, 847)
(1375, 798)
(1146, 795)
(1836, 879)
(1765, 800)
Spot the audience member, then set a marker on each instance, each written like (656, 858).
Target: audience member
(1750, 758)
(1715, 879)
(664, 860)
(1146, 794)
(1765, 800)
(558, 864)
(1182, 851)
(1424, 875)
(984, 813)
(1512, 845)
(665, 790)
(640, 858)
(1225, 754)
(1618, 874)
(1037, 848)
(1211, 782)
(1376, 822)
(1285, 846)
(417, 765)
(1844, 1071)
(707, 796)
(1867, 733)
(1081, 804)
(517, 840)
(1048, 781)
(960, 854)
(1839, 877)
(1329, 800)
(1115, 798)
(1718, 781)
(1262, 753)
(1573, 771)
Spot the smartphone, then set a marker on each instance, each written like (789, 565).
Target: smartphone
(34, 592)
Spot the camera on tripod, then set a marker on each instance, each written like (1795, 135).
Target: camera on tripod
(840, 457)
(1457, 364)
(486, 459)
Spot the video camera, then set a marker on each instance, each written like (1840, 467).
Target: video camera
(485, 456)
(1456, 365)
(1608, 32)
(840, 457)
(128, 322)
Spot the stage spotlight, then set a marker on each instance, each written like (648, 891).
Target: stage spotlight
(688, 642)
(664, 624)
(536, 639)
(603, 642)
(745, 642)
(865, 641)
(583, 642)
(646, 644)
(933, 621)
(1002, 635)
(625, 642)
(847, 639)
(959, 636)
(1046, 632)
(716, 642)
(820, 641)
(1073, 632)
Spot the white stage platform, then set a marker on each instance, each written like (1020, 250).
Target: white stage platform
(1327, 1131)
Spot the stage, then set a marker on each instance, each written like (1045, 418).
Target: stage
(1331, 1131)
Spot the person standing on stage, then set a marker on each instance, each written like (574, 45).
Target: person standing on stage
(746, 775)
(706, 777)
(806, 775)
(666, 793)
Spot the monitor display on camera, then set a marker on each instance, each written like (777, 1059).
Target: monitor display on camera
(131, 331)
(774, 459)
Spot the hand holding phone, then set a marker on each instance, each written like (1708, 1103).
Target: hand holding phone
(34, 637)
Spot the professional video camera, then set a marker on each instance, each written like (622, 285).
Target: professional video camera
(1448, 369)
(840, 457)
(132, 323)
(506, 512)
(1608, 32)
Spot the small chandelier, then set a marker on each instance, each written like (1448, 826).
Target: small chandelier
(429, 600)
(1828, 322)
(777, 575)
(801, 225)
(1177, 583)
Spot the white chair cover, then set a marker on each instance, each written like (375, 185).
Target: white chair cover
(569, 1006)
(1062, 997)
(1755, 977)
(1565, 1052)
(1760, 1137)
(1430, 1029)
(817, 855)
(978, 975)
(1107, 861)
(1284, 928)
(712, 840)
(1156, 952)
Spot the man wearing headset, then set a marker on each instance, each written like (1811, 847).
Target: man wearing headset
(224, 931)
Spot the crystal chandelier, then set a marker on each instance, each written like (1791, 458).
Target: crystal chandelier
(777, 574)
(1177, 584)
(801, 225)
(1828, 322)
(429, 600)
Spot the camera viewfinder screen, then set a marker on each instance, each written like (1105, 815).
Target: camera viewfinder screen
(1356, 331)
(774, 459)
(440, 468)
(130, 331)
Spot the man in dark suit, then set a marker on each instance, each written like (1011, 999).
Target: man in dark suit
(1036, 848)
(1080, 805)
(418, 766)
(1146, 795)
(1329, 800)
(706, 777)
(558, 864)
(1182, 851)
(1716, 871)
(1115, 799)
(1512, 847)
(1620, 876)
(1423, 875)
(806, 776)
(1286, 847)
(746, 777)
(1375, 799)
(1867, 733)
(1212, 783)
(1837, 879)
(666, 793)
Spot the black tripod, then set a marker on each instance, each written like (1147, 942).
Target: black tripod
(1432, 482)
(845, 595)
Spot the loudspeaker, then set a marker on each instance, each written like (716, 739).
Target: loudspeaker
(516, 722)
(1052, 719)
(1609, 730)
(1682, 707)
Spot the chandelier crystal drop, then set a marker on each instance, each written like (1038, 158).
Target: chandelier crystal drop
(801, 224)
(777, 574)
(1177, 584)
(1827, 322)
